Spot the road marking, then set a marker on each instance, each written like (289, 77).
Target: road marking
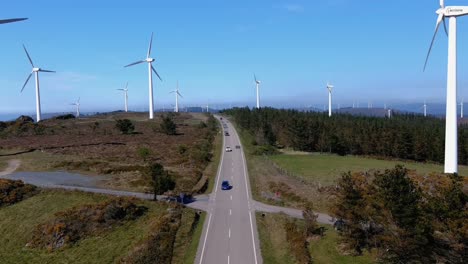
(206, 236)
(248, 199)
(229, 232)
(231, 197)
(228, 259)
(230, 212)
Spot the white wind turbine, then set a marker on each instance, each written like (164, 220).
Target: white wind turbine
(257, 84)
(329, 88)
(125, 90)
(11, 20)
(425, 108)
(177, 94)
(451, 129)
(149, 60)
(77, 104)
(36, 71)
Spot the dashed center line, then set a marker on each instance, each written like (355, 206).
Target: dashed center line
(229, 232)
(231, 197)
(230, 212)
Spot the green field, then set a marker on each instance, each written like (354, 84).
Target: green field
(325, 168)
(322, 250)
(18, 221)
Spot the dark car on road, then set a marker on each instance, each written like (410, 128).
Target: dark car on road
(226, 133)
(225, 185)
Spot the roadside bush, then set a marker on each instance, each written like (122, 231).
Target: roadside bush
(297, 242)
(125, 126)
(143, 153)
(13, 191)
(161, 180)
(159, 246)
(74, 224)
(65, 117)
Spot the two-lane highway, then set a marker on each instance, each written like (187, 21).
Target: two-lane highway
(230, 232)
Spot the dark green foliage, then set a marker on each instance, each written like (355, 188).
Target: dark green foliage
(405, 136)
(407, 220)
(74, 224)
(13, 191)
(125, 126)
(168, 126)
(161, 180)
(64, 117)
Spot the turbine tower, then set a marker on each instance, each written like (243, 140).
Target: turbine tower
(177, 94)
(461, 109)
(6, 21)
(77, 104)
(125, 90)
(36, 71)
(451, 136)
(151, 69)
(425, 108)
(329, 87)
(257, 84)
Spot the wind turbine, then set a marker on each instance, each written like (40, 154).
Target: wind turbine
(125, 90)
(36, 71)
(425, 108)
(257, 84)
(451, 129)
(6, 21)
(461, 108)
(149, 60)
(389, 113)
(77, 104)
(329, 87)
(177, 94)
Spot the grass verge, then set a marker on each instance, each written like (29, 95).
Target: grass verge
(212, 168)
(324, 250)
(18, 221)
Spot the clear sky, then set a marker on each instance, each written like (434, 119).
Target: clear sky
(370, 50)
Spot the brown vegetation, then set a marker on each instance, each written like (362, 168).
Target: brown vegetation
(13, 191)
(74, 224)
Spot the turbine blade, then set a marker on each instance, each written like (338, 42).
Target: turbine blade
(29, 57)
(135, 63)
(156, 72)
(5, 21)
(126, 85)
(445, 26)
(179, 94)
(41, 70)
(255, 77)
(439, 19)
(149, 48)
(442, 4)
(26, 82)
(120, 89)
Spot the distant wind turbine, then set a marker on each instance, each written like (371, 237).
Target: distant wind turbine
(177, 94)
(125, 90)
(451, 129)
(36, 71)
(151, 69)
(6, 21)
(329, 88)
(77, 104)
(257, 84)
(389, 113)
(461, 109)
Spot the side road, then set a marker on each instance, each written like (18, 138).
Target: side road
(200, 202)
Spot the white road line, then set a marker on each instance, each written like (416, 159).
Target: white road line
(230, 212)
(206, 236)
(231, 197)
(248, 199)
(228, 259)
(229, 232)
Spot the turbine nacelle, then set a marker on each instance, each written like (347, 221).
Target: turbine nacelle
(453, 11)
(149, 60)
(35, 69)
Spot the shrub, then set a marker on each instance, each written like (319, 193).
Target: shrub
(168, 126)
(74, 224)
(143, 153)
(161, 180)
(125, 126)
(13, 191)
(182, 149)
(64, 117)
(297, 243)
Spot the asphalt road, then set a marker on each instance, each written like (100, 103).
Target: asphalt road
(230, 231)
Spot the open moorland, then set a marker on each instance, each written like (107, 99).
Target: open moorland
(95, 146)
(47, 219)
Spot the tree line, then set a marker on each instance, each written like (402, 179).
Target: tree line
(404, 136)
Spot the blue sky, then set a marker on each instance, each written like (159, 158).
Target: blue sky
(373, 51)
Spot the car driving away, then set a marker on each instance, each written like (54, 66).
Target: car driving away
(225, 185)
(228, 149)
